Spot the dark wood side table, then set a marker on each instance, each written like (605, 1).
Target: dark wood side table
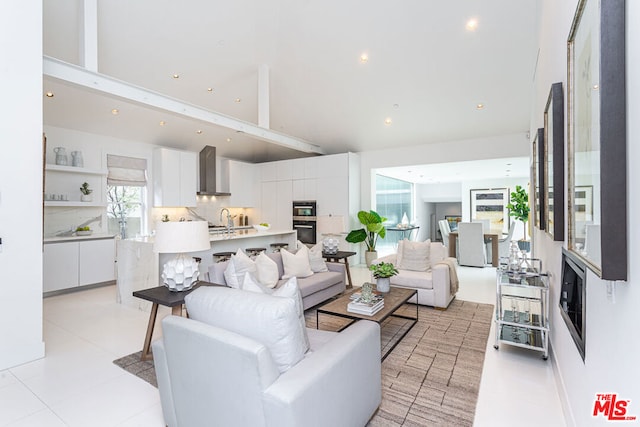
(161, 295)
(341, 255)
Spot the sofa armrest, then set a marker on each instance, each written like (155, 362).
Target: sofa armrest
(338, 267)
(337, 385)
(389, 259)
(441, 284)
(164, 383)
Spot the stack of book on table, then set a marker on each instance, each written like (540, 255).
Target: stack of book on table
(359, 306)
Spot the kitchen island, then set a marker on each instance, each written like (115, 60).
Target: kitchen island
(139, 267)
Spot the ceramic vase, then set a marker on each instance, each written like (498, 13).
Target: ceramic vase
(369, 256)
(86, 198)
(383, 284)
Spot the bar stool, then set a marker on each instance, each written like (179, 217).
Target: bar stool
(254, 252)
(275, 247)
(222, 256)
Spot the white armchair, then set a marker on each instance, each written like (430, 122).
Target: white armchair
(436, 287)
(211, 376)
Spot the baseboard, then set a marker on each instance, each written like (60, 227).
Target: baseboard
(78, 288)
(562, 391)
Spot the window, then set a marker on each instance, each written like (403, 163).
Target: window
(394, 198)
(126, 195)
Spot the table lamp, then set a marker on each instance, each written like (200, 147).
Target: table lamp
(331, 228)
(181, 272)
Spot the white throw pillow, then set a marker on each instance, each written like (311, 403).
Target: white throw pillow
(287, 290)
(414, 256)
(296, 265)
(316, 260)
(238, 265)
(270, 321)
(267, 270)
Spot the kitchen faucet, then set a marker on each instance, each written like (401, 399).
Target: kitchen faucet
(229, 220)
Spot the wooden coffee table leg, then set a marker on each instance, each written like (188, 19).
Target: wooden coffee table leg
(147, 339)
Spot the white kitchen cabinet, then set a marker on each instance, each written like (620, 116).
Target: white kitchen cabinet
(175, 179)
(333, 196)
(284, 205)
(284, 170)
(77, 263)
(60, 266)
(268, 172)
(96, 261)
(305, 189)
(268, 211)
(242, 184)
(297, 169)
(310, 167)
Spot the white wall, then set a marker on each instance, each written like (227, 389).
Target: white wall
(612, 347)
(21, 182)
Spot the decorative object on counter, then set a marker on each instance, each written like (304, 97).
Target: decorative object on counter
(86, 192)
(519, 209)
(367, 292)
(373, 227)
(61, 156)
(246, 220)
(263, 226)
(383, 272)
(331, 228)
(165, 218)
(76, 159)
(181, 272)
(405, 221)
(84, 231)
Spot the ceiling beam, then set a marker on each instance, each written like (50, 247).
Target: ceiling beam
(100, 83)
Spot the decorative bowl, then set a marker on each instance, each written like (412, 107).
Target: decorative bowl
(84, 233)
(260, 227)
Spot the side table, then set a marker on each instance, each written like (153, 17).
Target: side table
(161, 295)
(341, 255)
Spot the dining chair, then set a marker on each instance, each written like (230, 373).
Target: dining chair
(472, 251)
(444, 231)
(505, 242)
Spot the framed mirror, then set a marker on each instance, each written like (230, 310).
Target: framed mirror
(538, 179)
(554, 162)
(596, 101)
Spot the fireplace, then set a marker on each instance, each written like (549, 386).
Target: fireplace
(573, 293)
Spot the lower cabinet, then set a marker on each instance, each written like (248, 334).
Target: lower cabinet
(71, 264)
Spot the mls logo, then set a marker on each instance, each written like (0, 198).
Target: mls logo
(611, 408)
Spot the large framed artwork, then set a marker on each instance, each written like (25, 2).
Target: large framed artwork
(491, 204)
(554, 163)
(597, 140)
(538, 179)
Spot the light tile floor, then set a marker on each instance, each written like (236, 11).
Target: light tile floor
(76, 384)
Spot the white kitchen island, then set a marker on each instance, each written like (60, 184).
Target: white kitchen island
(139, 267)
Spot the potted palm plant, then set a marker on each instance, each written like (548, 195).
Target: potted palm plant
(369, 234)
(383, 272)
(519, 209)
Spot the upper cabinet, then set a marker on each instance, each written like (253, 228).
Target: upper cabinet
(175, 178)
(242, 182)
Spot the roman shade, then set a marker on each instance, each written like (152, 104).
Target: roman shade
(127, 171)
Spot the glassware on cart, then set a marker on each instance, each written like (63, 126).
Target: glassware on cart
(514, 256)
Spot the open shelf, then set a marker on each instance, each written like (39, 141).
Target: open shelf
(74, 204)
(73, 169)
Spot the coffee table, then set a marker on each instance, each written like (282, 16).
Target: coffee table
(393, 300)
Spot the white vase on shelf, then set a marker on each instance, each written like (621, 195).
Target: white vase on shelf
(86, 198)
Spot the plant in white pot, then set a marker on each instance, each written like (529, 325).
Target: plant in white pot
(383, 272)
(369, 233)
(86, 192)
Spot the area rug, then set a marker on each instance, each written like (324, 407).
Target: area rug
(433, 375)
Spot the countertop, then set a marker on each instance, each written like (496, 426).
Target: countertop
(217, 236)
(95, 236)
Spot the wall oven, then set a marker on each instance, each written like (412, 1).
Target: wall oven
(304, 220)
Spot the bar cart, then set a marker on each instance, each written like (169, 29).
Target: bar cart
(522, 306)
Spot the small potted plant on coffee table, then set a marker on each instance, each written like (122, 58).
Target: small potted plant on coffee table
(383, 272)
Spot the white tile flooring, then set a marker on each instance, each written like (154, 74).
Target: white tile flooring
(77, 384)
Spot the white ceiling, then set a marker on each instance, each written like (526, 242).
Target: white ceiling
(477, 170)
(425, 70)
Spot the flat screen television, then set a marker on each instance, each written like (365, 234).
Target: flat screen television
(573, 298)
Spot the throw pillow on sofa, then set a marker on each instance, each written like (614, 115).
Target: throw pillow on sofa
(267, 271)
(414, 256)
(238, 265)
(316, 260)
(296, 265)
(288, 290)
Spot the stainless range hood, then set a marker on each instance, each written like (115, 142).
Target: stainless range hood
(208, 173)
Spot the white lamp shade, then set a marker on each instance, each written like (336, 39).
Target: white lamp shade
(330, 224)
(179, 237)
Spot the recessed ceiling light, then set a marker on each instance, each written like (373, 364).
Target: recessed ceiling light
(176, 76)
(199, 132)
(364, 58)
(479, 106)
(209, 89)
(508, 164)
(472, 24)
(49, 94)
(396, 106)
(115, 111)
(388, 121)
(238, 100)
(162, 123)
(228, 139)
